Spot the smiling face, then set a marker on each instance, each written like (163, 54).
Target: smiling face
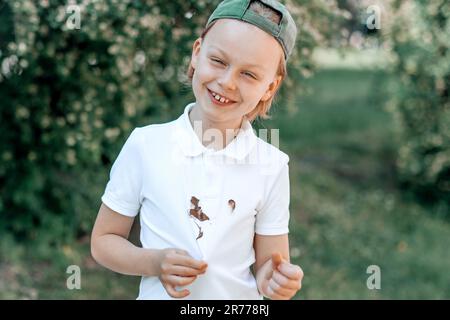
(239, 62)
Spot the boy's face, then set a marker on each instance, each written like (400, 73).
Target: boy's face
(238, 61)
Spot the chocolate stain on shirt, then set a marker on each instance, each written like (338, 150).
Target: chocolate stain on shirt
(197, 211)
(198, 214)
(232, 204)
(200, 232)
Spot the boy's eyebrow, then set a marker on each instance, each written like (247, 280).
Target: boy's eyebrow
(246, 64)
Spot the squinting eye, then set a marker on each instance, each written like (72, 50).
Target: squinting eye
(250, 75)
(218, 61)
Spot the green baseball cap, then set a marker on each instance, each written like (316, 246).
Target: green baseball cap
(285, 32)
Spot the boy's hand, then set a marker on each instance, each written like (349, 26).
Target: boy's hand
(283, 280)
(178, 268)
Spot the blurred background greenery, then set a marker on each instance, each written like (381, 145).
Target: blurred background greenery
(364, 116)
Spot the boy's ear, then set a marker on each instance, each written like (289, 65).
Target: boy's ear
(196, 52)
(273, 86)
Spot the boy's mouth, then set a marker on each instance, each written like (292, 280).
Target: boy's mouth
(219, 100)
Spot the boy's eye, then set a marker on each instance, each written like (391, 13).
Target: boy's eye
(250, 75)
(218, 61)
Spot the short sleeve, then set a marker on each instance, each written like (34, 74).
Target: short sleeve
(123, 190)
(273, 217)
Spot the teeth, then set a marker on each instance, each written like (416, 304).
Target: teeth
(219, 98)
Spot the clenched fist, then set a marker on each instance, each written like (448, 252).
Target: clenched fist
(178, 268)
(282, 280)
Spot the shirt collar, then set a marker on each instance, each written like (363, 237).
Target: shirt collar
(191, 146)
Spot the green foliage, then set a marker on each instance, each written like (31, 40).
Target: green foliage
(71, 96)
(420, 39)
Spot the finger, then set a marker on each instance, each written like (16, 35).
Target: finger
(188, 261)
(276, 259)
(275, 296)
(286, 282)
(276, 288)
(179, 281)
(183, 252)
(185, 271)
(176, 294)
(291, 271)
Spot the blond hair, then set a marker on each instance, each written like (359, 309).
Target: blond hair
(262, 108)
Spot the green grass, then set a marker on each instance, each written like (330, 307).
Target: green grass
(39, 272)
(346, 210)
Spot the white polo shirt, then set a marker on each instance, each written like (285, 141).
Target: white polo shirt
(162, 166)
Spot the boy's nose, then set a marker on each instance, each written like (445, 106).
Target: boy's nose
(227, 81)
